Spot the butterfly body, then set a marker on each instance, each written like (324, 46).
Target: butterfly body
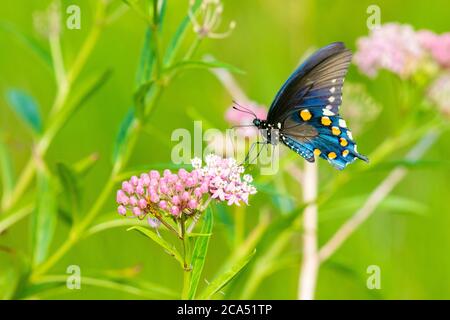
(304, 115)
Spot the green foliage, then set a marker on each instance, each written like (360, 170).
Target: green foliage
(222, 280)
(44, 217)
(199, 253)
(71, 192)
(169, 248)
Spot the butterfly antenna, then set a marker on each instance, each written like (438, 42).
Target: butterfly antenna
(243, 109)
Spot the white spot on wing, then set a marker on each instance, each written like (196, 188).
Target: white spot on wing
(349, 134)
(331, 99)
(342, 123)
(327, 112)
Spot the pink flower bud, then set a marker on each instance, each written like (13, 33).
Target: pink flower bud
(140, 190)
(134, 180)
(145, 179)
(182, 173)
(204, 187)
(192, 204)
(154, 174)
(198, 192)
(190, 182)
(175, 210)
(167, 173)
(133, 201)
(122, 210)
(153, 182)
(137, 211)
(163, 188)
(179, 186)
(176, 200)
(163, 205)
(154, 198)
(185, 196)
(173, 178)
(127, 187)
(142, 204)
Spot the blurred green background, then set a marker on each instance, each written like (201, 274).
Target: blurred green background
(410, 247)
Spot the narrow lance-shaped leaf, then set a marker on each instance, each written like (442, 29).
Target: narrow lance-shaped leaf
(223, 279)
(199, 253)
(29, 42)
(45, 216)
(71, 193)
(171, 250)
(139, 98)
(26, 108)
(123, 133)
(144, 71)
(87, 89)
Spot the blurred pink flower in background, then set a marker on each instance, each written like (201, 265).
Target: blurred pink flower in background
(439, 93)
(437, 45)
(394, 47)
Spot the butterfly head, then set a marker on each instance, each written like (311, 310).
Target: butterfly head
(257, 122)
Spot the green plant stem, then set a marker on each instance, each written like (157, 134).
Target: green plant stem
(77, 232)
(16, 216)
(61, 97)
(186, 284)
(187, 274)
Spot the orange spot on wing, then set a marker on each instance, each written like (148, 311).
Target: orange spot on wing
(305, 114)
(325, 121)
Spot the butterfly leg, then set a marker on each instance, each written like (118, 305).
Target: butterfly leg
(247, 157)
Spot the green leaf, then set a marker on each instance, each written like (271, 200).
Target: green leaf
(10, 277)
(6, 170)
(45, 216)
(171, 250)
(342, 208)
(139, 98)
(50, 285)
(123, 133)
(144, 71)
(162, 13)
(203, 64)
(223, 279)
(83, 166)
(29, 42)
(178, 37)
(87, 89)
(71, 194)
(27, 109)
(199, 253)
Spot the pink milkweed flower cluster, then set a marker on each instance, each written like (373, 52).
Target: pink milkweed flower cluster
(223, 176)
(401, 50)
(170, 192)
(184, 192)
